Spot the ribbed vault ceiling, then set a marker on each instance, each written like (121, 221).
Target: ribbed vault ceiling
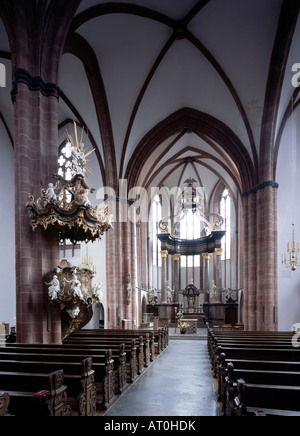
(170, 89)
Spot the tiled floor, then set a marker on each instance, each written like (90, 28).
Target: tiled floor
(178, 383)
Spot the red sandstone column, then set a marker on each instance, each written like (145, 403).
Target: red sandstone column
(246, 263)
(260, 231)
(136, 303)
(260, 240)
(37, 253)
(270, 259)
(36, 35)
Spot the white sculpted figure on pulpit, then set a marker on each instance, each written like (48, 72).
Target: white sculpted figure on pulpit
(75, 285)
(73, 312)
(97, 292)
(50, 192)
(54, 288)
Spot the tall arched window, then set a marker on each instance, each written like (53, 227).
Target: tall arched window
(154, 243)
(225, 212)
(67, 249)
(156, 218)
(65, 162)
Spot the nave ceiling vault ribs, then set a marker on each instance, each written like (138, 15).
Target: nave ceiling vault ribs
(174, 160)
(283, 40)
(110, 8)
(285, 31)
(201, 124)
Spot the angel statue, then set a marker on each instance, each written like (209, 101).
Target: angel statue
(97, 292)
(54, 288)
(75, 285)
(74, 312)
(50, 192)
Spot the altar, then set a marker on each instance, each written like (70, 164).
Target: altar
(192, 323)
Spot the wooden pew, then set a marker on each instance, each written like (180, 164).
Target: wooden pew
(160, 337)
(254, 353)
(253, 376)
(143, 343)
(35, 394)
(56, 355)
(266, 400)
(265, 339)
(251, 365)
(79, 377)
(4, 402)
(266, 359)
(66, 353)
(142, 349)
(87, 349)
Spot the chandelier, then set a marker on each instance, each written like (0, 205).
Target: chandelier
(192, 199)
(290, 258)
(65, 205)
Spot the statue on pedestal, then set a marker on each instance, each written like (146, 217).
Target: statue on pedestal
(213, 292)
(170, 293)
(230, 295)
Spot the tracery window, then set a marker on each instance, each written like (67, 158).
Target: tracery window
(67, 249)
(156, 217)
(225, 212)
(65, 162)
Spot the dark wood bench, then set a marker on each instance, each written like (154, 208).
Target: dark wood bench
(142, 343)
(142, 347)
(4, 402)
(266, 400)
(159, 339)
(289, 354)
(265, 339)
(35, 394)
(100, 349)
(252, 376)
(54, 355)
(78, 375)
(265, 359)
(66, 353)
(251, 365)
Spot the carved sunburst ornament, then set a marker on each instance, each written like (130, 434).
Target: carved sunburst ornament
(79, 154)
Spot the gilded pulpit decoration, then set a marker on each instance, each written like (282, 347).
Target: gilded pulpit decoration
(65, 205)
(72, 289)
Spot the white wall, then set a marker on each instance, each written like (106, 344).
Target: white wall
(97, 251)
(7, 232)
(288, 213)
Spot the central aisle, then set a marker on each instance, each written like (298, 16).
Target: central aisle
(178, 383)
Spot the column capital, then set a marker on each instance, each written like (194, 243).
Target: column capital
(176, 256)
(164, 253)
(206, 256)
(218, 251)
